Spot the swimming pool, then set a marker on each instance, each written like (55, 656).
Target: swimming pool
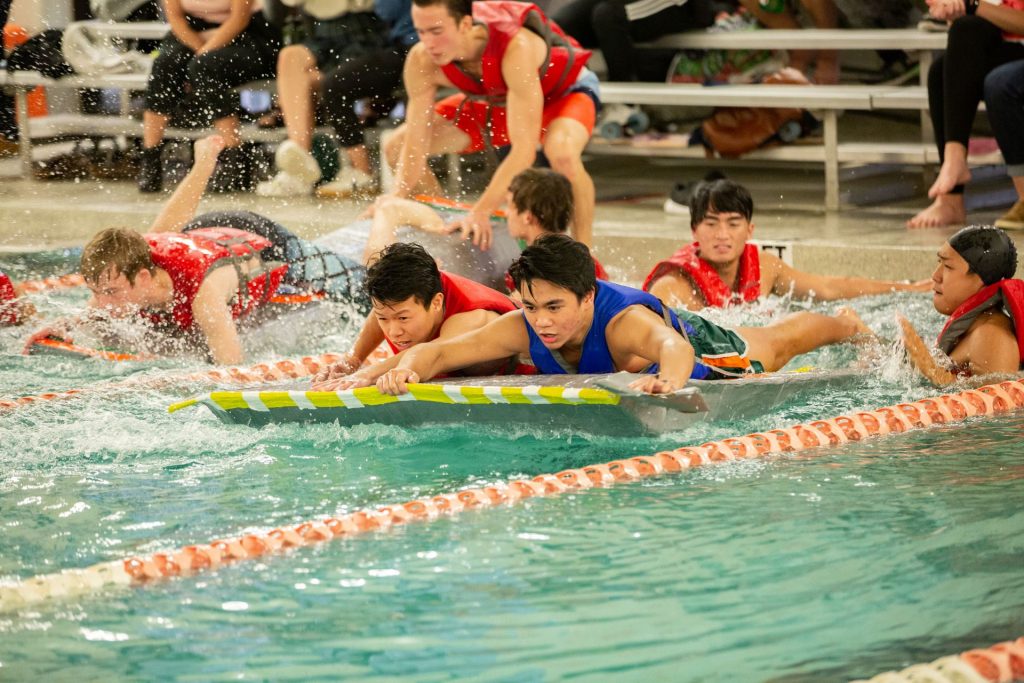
(833, 564)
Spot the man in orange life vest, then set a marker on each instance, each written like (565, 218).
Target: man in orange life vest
(195, 276)
(522, 80)
(973, 284)
(720, 268)
(414, 302)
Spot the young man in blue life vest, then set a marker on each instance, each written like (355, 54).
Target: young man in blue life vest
(721, 268)
(521, 82)
(973, 284)
(573, 323)
(193, 277)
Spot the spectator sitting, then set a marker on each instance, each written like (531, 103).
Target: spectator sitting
(1004, 101)
(982, 37)
(826, 14)
(614, 25)
(214, 45)
(356, 50)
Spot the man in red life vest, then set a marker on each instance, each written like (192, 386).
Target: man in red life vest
(414, 302)
(973, 284)
(13, 310)
(522, 80)
(721, 268)
(196, 276)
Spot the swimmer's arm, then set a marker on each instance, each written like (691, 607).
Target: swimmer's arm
(921, 357)
(641, 332)
(676, 291)
(830, 288)
(455, 326)
(501, 338)
(179, 25)
(988, 347)
(238, 19)
(182, 205)
(419, 77)
(391, 213)
(212, 314)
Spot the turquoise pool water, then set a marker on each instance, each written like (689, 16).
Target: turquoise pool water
(828, 565)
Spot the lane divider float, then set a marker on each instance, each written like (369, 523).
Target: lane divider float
(1000, 663)
(987, 400)
(51, 283)
(272, 371)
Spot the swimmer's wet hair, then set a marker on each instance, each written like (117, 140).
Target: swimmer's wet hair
(456, 8)
(720, 196)
(401, 271)
(558, 259)
(125, 250)
(545, 194)
(988, 250)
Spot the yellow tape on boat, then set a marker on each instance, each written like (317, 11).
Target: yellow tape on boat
(427, 393)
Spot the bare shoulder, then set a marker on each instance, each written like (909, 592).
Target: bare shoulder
(990, 345)
(525, 47)
(460, 323)
(677, 290)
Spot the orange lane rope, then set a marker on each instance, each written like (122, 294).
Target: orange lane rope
(50, 283)
(1000, 663)
(274, 371)
(987, 400)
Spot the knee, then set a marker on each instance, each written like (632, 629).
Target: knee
(608, 15)
(294, 58)
(564, 159)
(970, 28)
(1002, 87)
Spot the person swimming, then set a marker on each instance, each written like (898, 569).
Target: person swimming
(973, 284)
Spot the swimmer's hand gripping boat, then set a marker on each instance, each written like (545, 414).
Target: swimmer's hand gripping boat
(595, 404)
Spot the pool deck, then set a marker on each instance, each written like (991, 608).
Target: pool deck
(630, 233)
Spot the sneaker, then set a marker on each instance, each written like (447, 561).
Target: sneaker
(1014, 218)
(297, 162)
(349, 182)
(284, 185)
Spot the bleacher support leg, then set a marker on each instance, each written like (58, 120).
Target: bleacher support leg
(831, 160)
(24, 137)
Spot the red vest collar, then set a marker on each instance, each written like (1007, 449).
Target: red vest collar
(714, 290)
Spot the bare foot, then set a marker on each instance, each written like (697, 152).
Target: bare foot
(947, 209)
(951, 174)
(860, 330)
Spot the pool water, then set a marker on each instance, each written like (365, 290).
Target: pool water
(827, 565)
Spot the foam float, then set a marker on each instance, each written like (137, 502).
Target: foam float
(594, 404)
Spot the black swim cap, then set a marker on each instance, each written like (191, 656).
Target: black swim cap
(989, 252)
